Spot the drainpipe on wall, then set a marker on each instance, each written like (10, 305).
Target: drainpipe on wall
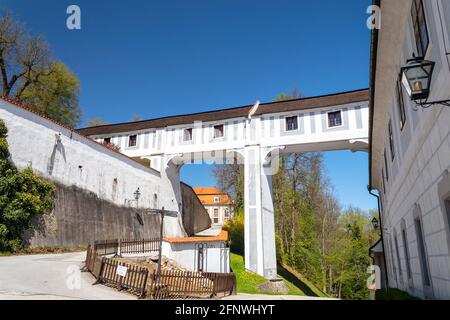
(381, 234)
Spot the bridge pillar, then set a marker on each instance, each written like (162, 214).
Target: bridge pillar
(260, 254)
(173, 226)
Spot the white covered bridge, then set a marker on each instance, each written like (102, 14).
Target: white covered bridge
(253, 135)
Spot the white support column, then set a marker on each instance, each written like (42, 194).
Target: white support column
(260, 256)
(268, 223)
(173, 226)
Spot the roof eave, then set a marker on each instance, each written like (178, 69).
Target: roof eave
(373, 70)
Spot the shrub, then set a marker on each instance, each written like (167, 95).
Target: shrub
(235, 230)
(23, 195)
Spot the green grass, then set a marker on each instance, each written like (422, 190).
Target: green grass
(393, 294)
(248, 282)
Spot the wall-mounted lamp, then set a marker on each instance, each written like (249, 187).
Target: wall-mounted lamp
(137, 194)
(375, 223)
(58, 138)
(416, 78)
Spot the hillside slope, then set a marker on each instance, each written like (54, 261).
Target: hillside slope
(247, 282)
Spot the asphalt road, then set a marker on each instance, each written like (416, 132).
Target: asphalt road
(245, 296)
(58, 277)
(50, 277)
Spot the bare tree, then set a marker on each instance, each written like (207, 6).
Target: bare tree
(23, 58)
(29, 73)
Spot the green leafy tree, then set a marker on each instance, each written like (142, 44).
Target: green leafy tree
(350, 257)
(235, 229)
(96, 122)
(136, 118)
(23, 196)
(55, 95)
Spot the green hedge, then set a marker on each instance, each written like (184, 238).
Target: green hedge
(393, 294)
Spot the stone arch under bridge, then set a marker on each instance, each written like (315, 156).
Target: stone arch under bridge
(255, 135)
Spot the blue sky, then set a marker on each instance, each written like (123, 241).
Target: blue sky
(158, 58)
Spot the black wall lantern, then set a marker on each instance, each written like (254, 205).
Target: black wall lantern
(416, 78)
(375, 223)
(137, 194)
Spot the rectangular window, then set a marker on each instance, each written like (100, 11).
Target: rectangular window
(444, 10)
(386, 165)
(106, 140)
(187, 134)
(401, 105)
(132, 140)
(391, 140)
(405, 248)
(422, 253)
(216, 215)
(291, 123)
(394, 269)
(381, 203)
(200, 258)
(226, 213)
(420, 27)
(398, 257)
(218, 131)
(334, 119)
(447, 208)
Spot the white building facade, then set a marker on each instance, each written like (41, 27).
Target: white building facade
(218, 204)
(62, 155)
(200, 254)
(410, 147)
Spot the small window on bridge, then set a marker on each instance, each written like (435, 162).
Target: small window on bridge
(291, 123)
(218, 131)
(107, 140)
(132, 140)
(187, 134)
(334, 119)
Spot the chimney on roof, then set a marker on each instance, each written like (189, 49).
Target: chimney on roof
(253, 109)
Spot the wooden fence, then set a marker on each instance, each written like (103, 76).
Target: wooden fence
(169, 284)
(134, 281)
(93, 262)
(139, 246)
(173, 284)
(126, 246)
(106, 247)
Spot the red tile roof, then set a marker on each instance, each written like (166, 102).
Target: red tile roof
(207, 195)
(222, 236)
(207, 190)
